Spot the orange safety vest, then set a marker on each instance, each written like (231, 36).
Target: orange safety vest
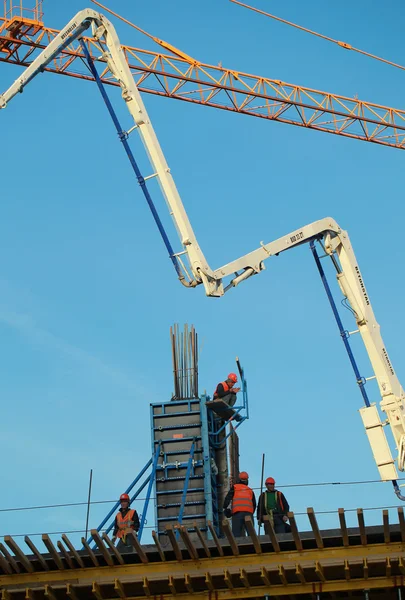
(224, 385)
(242, 499)
(125, 524)
(279, 499)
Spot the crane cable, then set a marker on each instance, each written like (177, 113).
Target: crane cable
(297, 514)
(324, 37)
(158, 41)
(286, 485)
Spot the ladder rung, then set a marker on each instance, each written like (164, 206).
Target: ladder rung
(169, 427)
(174, 452)
(177, 440)
(175, 518)
(150, 176)
(180, 478)
(132, 129)
(177, 414)
(189, 529)
(179, 465)
(189, 491)
(175, 504)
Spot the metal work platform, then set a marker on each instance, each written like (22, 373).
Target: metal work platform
(367, 562)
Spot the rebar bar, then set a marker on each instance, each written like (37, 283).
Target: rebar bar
(185, 362)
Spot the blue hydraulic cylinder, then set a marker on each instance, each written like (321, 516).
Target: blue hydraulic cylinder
(343, 333)
(122, 134)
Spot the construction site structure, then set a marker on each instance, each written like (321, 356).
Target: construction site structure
(188, 557)
(190, 442)
(189, 473)
(360, 562)
(191, 265)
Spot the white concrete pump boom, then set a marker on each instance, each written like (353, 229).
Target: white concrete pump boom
(335, 241)
(112, 53)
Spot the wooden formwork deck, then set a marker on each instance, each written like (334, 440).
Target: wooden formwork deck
(334, 563)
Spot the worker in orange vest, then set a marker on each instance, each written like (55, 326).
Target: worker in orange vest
(243, 504)
(126, 520)
(226, 392)
(272, 502)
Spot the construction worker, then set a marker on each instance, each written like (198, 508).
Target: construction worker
(272, 502)
(226, 390)
(126, 520)
(243, 504)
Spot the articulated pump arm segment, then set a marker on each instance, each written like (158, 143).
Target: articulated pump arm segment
(335, 241)
(198, 270)
(336, 244)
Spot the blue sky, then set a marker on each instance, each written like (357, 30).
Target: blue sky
(87, 295)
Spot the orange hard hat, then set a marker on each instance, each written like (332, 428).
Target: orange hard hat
(243, 475)
(270, 480)
(124, 498)
(233, 377)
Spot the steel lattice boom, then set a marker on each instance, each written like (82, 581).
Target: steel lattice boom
(173, 77)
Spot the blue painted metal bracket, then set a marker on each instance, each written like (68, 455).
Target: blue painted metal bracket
(148, 493)
(237, 407)
(235, 424)
(148, 481)
(127, 491)
(244, 388)
(138, 491)
(185, 488)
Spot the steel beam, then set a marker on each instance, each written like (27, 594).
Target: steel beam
(226, 528)
(401, 522)
(36, 553)
(90, 553)
(113, 549)
(12, 544)
(10, 559)
(362, 527)
(65, 555)
(137, 546)
(343, 527)
(52, 551)
(158, 546)
(269, 529)
(251, 562)
(202, 539)
(73, 550)
(100, 545)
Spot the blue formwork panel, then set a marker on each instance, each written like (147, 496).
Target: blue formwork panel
(183, 486)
